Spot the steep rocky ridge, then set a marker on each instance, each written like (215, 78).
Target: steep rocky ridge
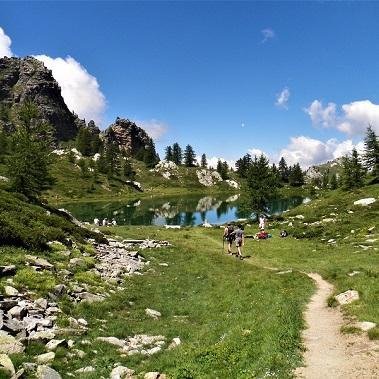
(23, 79)
(129, 137)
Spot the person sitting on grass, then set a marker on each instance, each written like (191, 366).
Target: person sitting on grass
(240, 240)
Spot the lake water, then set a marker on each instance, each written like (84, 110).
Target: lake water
(184, 210)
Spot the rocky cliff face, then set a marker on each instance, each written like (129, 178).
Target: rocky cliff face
(27, 78)
(127, 136)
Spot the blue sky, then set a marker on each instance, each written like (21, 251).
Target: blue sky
(210, 74)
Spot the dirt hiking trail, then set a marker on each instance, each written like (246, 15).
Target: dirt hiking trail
(330, 354)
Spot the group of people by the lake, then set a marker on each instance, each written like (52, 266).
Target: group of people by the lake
(104, 222)
(237, 236)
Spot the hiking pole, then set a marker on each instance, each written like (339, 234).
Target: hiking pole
(223, 243)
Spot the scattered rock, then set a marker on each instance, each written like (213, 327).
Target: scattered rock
(9, 344)
(175, 342)
(82, 322)
(85, 369)
(153, 313)
(154, 375)
(121, 372)
(208, 178)
(365, 325)
(112, 340)
(10, 291)
(6, 364)
(39, 262)
(43, 335)
(365, 202)
(45, 358)
(353, 273)
(283, 272)
(347, 297)
(53, 344)
(46, 372)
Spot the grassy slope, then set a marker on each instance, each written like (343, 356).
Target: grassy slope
(235, 320)
(71, 185)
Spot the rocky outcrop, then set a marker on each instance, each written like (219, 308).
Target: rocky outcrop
(129, 137)
(27, 79)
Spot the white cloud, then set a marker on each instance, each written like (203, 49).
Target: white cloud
(358, 115)
(153, 127)
(80, 90)
(282, 98)
(212, 162)
(257, 152)
(5, 45)
(267, 34)
(308, 151)
(320, 115)
(353, 119)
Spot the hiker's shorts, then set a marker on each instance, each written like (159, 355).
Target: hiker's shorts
(239, 242)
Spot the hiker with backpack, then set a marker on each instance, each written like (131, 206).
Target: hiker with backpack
(239, 239)
(229, 237)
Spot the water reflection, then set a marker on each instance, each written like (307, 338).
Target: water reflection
(188, 210)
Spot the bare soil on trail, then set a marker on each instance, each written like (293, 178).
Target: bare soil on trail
(329, 353)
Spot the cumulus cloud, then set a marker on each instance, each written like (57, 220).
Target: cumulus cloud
(257, 152)
(153, 127)
(212, 162)
(308, 151)
(80, 90)
(5, 45)
(325, 116)
(267, 34)
(282, 98)
(353, 118)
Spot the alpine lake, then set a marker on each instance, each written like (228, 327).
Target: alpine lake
(180, 210)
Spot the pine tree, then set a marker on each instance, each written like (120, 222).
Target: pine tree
(296, 176)
(177, 154)
(261, 183)
(352, 171)
(168, 153)
(83, 142)
(189, 156)
(371, 154)
(204, 163)
(150, 156)
(30, 155)
(127, 170)
(333, 182)
(112, 159)
(243, 164)
(283, 170)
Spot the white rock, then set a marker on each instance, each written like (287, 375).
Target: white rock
(364, 202)
(232, 183)
(4, 179)
(53, 344)
(46, 372)
(45, 358)
(172, 226)
(300, 217)
(365, 325)
(85, 369)
(353, 273)
(6, 364)
(153, 313)
(121, 372)
(111, 340)
(152, 375)
(175, 342)
(9, 344)
(82, 322)
(347, 297)
(10, 291)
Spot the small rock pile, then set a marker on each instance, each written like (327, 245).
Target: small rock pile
(140, 344)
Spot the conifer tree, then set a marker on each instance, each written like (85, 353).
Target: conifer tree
(83, 142)
(189, 156)
(261, 183)
(371, 154)
(30, 155)
(296, 176)
(353, 171)
(325, 179)
(333, 182)
(176, 154)
(283, 170)
(168, 153)
(204, 163)
(128, 170)
(150, 156)
(243, 164)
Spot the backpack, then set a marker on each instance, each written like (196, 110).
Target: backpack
(229, 235)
